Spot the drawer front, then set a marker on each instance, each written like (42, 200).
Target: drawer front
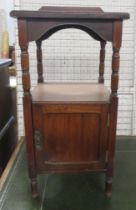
(69, 137)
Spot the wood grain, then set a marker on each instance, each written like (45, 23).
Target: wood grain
(84, 93)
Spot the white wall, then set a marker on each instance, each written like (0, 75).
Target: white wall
(134, 76)
(71, 55)
(8, 5)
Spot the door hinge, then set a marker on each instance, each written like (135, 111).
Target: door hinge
(108, 120)
(38, 140)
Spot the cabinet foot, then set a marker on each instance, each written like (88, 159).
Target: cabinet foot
(34, 190)
(108, 187)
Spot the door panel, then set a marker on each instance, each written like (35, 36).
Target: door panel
(71, 137)
(68, 139)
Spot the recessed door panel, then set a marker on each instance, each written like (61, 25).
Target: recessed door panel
(71, 137)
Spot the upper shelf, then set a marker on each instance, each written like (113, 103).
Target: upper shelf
(70, 13)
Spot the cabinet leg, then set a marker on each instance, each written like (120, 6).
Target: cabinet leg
(108, 187)
(109, 179)
(34, 189)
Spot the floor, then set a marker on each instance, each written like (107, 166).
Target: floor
(77, 191)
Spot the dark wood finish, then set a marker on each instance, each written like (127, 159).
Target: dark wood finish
(117, 38)
(98, 24)
(27, 103)
(70, 12)
(71, 9)
(39, 61)
(70, 127)
(8, 130)
(102, 65)
(64, 145)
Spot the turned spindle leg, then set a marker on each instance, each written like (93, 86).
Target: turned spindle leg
(34, 187)
(27, 102)
(113, 119)
(102, 62)
(116, 44)
(39, 61)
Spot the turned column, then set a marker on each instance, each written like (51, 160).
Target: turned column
(117, 37)
(102, 62)
(115, 72)
(39, 61)
(22, 25)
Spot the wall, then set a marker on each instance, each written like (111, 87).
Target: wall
(71, 55)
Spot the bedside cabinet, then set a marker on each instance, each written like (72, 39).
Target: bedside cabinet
(70, 127)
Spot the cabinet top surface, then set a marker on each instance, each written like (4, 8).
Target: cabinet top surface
(68, 92)
(69, 13)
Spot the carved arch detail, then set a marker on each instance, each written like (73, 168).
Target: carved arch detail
(44, 30)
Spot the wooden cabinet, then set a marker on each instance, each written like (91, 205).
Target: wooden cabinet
(70, 132)
(70, 127)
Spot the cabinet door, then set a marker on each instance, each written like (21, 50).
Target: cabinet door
(71, 137)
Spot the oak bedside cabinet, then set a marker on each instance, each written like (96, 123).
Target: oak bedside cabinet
(70, 127)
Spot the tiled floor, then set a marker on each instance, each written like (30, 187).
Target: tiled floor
(77, 191)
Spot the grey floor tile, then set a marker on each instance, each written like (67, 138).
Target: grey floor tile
(75, 191)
